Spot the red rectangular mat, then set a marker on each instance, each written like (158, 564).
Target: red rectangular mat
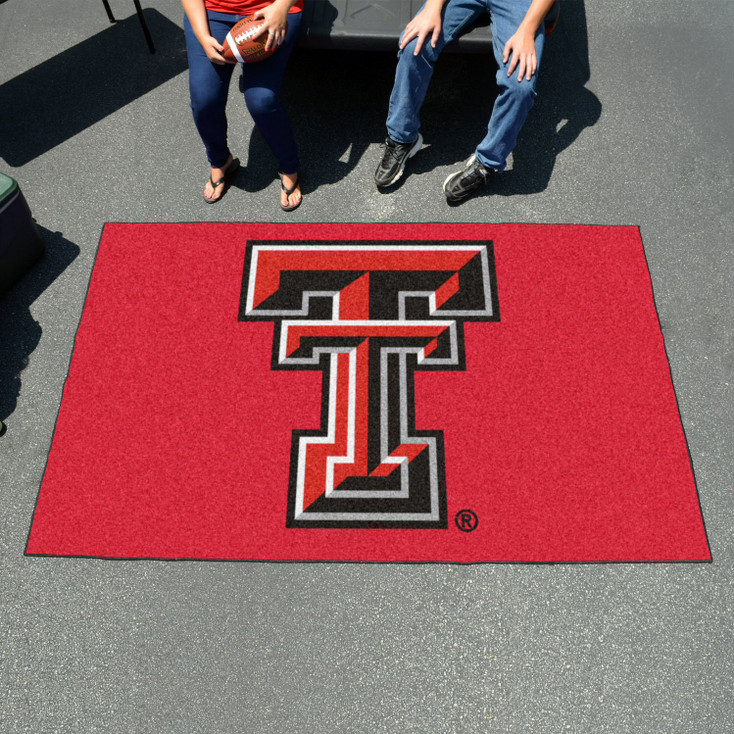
(382, 392)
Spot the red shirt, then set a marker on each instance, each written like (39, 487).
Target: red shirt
(245, 7)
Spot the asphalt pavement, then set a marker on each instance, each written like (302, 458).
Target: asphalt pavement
(633, 126)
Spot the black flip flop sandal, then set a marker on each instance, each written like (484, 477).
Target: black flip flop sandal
(288, 192)
(225, 181)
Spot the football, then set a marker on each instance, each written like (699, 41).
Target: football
(245, 43)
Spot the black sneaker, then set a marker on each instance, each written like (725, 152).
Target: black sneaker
(394, 159)
(461, 184)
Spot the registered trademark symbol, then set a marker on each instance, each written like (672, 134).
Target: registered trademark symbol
(466, 520)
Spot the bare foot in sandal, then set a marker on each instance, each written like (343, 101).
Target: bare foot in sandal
(218, 182)
(290, 191)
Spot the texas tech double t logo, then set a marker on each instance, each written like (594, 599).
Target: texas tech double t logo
(368, 315)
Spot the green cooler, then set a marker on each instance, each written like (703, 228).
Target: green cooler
(20, 244)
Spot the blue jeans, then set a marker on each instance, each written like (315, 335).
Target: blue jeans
(514, 100)
(209, 87)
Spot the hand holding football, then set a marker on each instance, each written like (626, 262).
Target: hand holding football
(246, 41)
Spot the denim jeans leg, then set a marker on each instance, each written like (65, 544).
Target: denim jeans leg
(208, 87)
(414, 73)
(515, 98)
(262, 83)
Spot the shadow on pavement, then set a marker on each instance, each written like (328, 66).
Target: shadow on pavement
(564, 107)
(52, 102)
(20, 333)
(338, 102)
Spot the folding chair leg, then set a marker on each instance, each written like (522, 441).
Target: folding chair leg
(141, 18)
(146, 32)
(109, 11)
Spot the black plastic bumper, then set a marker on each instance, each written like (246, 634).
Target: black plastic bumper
(373, 25)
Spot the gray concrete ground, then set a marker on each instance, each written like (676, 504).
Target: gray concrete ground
(633, 126)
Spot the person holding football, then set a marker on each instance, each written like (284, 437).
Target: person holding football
(518, 35)
(206, 24)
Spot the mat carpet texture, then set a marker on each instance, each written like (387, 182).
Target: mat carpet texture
(351, 392)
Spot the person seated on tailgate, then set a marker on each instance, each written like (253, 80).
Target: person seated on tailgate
(206, 25)
(518, 35)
